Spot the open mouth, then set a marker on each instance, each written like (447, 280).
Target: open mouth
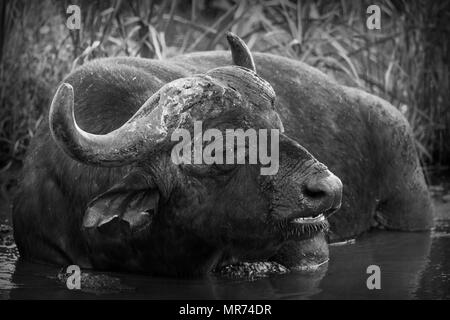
(302, 228)
(309, 220)
(307, 227)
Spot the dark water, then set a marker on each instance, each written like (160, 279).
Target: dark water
(413, 265)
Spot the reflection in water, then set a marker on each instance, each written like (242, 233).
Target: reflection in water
(413, 265)
(435, 280)
(402, 257)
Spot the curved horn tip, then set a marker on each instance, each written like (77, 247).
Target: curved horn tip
(66, 87)
(240, 52)
(64, 92)
(62, 104)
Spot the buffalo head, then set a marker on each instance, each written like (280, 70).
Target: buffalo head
(180, 217)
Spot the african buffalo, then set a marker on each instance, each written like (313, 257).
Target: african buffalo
(99, 188)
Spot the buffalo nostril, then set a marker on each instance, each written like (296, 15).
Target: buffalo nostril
(326, 188)
(314, 192)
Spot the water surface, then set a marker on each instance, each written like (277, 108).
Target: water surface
(413, 266)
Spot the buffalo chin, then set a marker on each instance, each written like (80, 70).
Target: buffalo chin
(308, 254)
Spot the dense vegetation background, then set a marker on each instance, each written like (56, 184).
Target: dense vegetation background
(406, 61)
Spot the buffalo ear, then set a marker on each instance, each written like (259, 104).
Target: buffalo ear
(240, 52)
(126, 208)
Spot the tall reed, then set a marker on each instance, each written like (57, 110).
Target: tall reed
(406, 61)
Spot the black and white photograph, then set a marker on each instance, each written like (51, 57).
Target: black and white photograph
(199, 150)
